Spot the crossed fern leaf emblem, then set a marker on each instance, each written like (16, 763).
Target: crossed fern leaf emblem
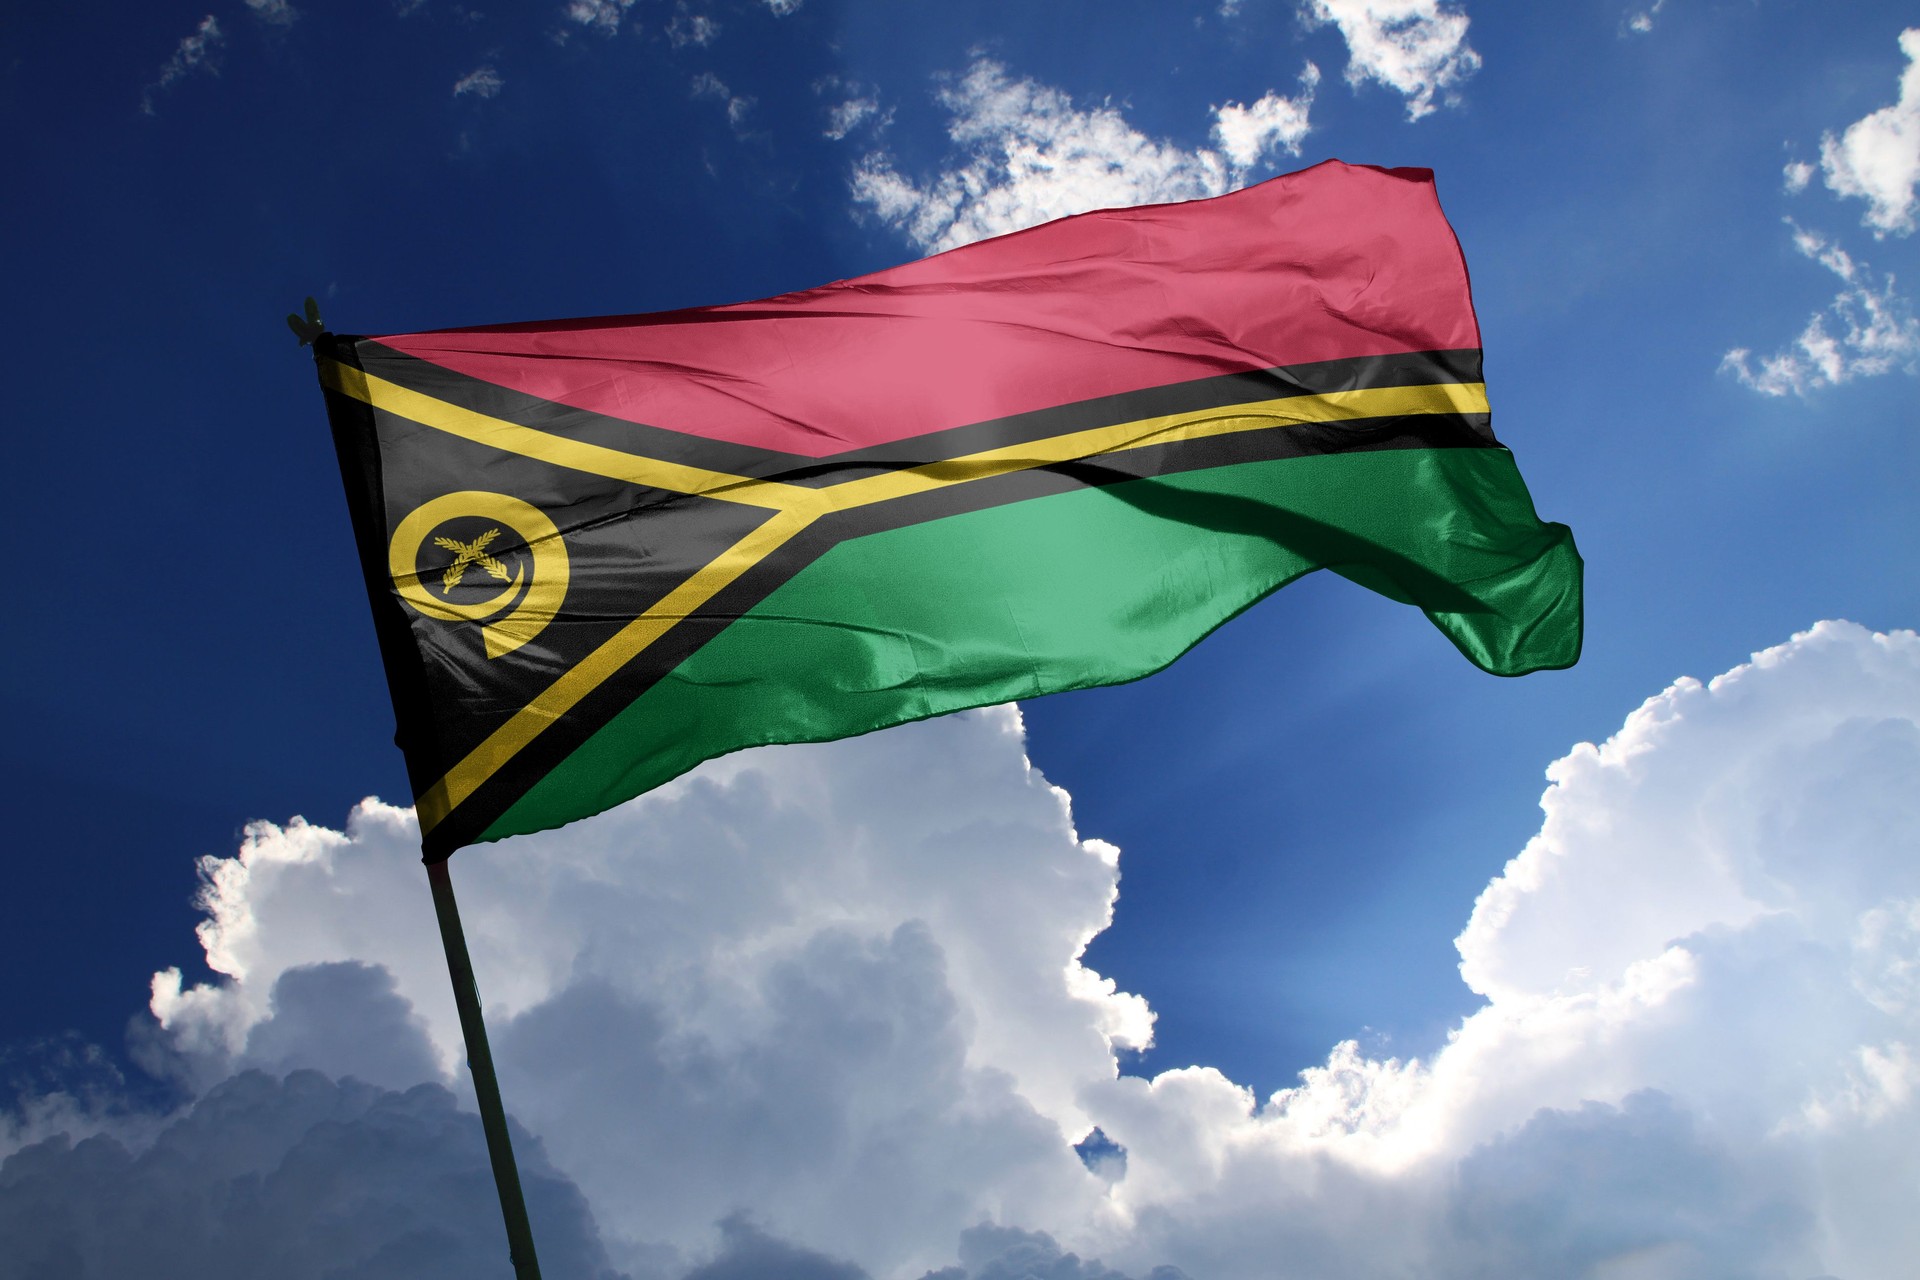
(466, 553)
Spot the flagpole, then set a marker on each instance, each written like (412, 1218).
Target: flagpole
(486, 1087)
(310, 329)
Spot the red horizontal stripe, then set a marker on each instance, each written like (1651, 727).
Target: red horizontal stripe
(1333, 261)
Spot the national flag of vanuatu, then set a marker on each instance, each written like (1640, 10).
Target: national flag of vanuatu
(602, 551)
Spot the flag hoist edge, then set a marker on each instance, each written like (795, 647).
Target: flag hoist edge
(602, 551)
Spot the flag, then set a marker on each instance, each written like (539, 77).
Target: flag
(602, 551)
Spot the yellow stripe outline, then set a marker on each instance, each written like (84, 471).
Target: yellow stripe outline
(544, 446)
(1259, 415)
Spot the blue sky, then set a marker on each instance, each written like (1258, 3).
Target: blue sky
(1690, 230)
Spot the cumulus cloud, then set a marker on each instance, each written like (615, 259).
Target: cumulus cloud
(1685, 1032)
(1272, 123)
(1417, 48)
(820, 1012)
(195, 52)
(811, 975)
(1867, 330)
(1795, 176)
(782, 8)
(1027, 154)
(1877, 159)
(1576, 1192)
(482, 82)
(343, 1017)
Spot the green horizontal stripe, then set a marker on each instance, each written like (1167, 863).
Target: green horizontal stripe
(1088, 587)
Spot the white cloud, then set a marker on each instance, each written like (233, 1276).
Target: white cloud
(1867, 330)
(852, 105)
(843, 117)
(195, 52)
(708, 85)
(1795, 176)
(1418, 48)
(603, 16)
(695, 29)
(1248, 135)
(278, 13)
(838, 985)
(1877, 159)
(781, 8)
(481, 82)
(1693, 950)
(829, 998)
(1027, 154)
(1640, 21)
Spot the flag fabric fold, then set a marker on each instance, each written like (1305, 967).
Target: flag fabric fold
(602, 551)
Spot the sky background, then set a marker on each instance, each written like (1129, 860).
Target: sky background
(739, 1015)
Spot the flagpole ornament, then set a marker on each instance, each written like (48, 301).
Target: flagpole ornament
(307, 327)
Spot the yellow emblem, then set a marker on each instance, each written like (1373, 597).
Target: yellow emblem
(533, 590)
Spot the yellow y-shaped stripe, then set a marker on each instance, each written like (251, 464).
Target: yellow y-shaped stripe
(795, 507)
(560, 697)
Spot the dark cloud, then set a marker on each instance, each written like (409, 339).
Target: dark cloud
(840, 1109)
(988, 1252)
(301, 1178)
(748, 1253)
(345, 1019)
(1574, 1193)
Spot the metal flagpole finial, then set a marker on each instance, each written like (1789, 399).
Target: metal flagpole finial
(310, 326)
